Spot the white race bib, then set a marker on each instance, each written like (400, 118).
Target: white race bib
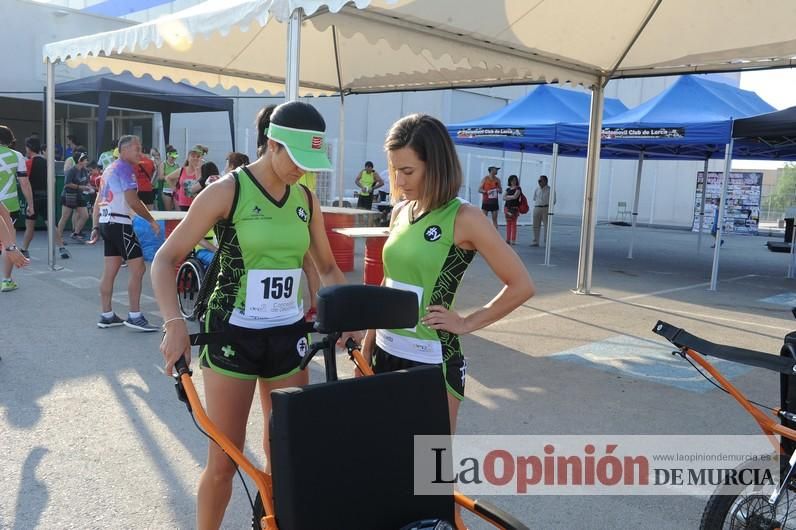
(492, 194)
(272, 294)
(105, 214)
(389, 282)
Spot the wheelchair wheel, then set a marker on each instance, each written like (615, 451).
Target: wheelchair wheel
(189, 280)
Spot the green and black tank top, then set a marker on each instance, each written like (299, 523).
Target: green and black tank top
(262, 247)
(420, 256)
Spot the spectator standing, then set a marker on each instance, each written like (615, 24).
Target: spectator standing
(76, 182)
(13, 174)
(36, 167)
(167, 167)
(541, 205)
(106, 158)
(490, 190)
(367, 181)
(183, 180)
(511, 208)
(144, 174)
(117, 201)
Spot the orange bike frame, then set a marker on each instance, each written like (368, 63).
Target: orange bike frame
(768, 425)
(261, 479)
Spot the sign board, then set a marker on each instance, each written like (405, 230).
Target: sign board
(742, 211)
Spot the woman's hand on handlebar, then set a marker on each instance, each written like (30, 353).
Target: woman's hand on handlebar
(356, 336)
(175, 343)
(368, 345)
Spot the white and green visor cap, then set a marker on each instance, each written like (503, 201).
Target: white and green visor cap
(307, 148)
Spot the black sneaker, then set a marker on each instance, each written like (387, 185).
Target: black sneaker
(64, 253)
(110, 322)
(25, 253)
(140, 323)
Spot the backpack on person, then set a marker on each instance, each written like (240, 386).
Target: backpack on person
(523, 203)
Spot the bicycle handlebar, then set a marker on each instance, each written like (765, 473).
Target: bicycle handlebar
(682, 339)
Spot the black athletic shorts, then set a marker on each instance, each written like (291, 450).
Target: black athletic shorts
(252, 353)
(39, 207)
(120, 240)
(454, 370)
(147, 197)
(490, 206)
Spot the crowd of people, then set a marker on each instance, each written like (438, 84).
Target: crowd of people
(515, 203)
(264, 220)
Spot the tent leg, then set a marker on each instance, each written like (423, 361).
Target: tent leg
(714, 275)
(634, 213)
(792, 263)
(341, 152)
(551, 207)
(293, 51)
(586, 254)
(50, 139)
(702, 205)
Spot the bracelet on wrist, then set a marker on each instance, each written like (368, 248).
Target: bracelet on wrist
(171, 320)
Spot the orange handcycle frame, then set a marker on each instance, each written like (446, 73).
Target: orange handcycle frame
(187, 393)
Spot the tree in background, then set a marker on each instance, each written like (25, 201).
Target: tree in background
(784, 194)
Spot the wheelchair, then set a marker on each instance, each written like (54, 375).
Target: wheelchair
(190, 277)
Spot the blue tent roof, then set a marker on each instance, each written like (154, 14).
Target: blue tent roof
(530, 123)
(690, 119)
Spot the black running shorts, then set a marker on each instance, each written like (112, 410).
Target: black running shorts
(120, 240)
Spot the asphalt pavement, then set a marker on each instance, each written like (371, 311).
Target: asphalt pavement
(92, 436)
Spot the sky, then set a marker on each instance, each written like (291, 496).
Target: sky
(778, 88)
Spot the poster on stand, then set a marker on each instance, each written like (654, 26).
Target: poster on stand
(742, 211)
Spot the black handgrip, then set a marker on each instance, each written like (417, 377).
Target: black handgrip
(351, 345)
(182, 366)
(314, 348)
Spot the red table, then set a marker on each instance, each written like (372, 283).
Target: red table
(375, 237)
(334, 218)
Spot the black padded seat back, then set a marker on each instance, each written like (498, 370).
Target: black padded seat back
(342, 452)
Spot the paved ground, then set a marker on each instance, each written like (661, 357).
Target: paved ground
(91, 435)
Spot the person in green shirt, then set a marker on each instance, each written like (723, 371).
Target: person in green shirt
(434, 235)
(367, 181)
(167, 167)
(270, 223)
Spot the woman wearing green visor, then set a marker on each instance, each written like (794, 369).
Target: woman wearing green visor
(270, 222)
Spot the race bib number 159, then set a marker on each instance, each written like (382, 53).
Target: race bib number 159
(272, 293)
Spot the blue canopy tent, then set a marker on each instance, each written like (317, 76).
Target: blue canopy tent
(530, 125)
(691, 119)
(129, 92)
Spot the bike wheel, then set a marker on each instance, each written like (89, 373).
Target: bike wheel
(259, 512)
(189, 280)
(750, 509)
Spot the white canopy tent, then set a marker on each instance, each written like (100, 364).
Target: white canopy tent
(369, 46)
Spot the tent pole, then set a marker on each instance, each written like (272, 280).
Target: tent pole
(551, 207)
(50, 139)
(702, 204)
(792, 263)
(467, 172)
(341, 151)
(714, 275)
(341, 134)
(293, 50)
(634, 213)
(522, 160)
(586, 254)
